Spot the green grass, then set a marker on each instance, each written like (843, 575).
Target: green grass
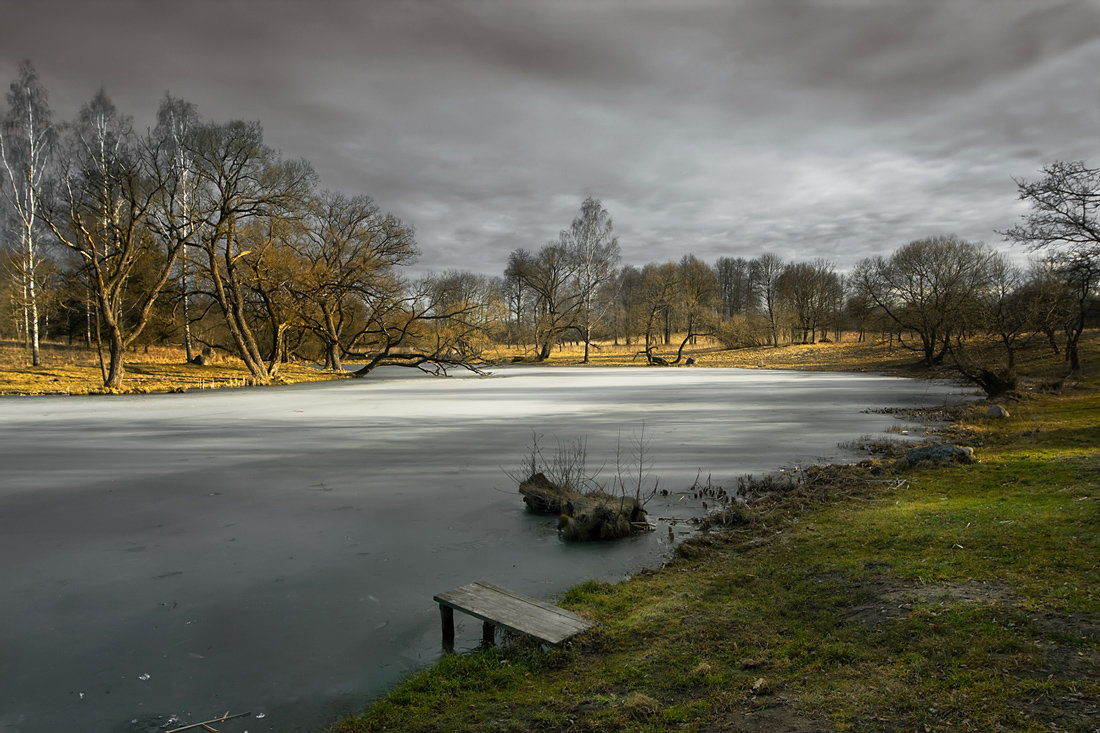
(961, 598)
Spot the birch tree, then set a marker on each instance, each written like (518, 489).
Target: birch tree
(26, 139)
(177, 218)
(596, 252)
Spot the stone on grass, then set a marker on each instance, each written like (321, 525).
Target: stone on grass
(938, 454)
(996, 411)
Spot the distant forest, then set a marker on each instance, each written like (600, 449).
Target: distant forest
(196, 233)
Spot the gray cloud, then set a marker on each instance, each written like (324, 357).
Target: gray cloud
(831, 128)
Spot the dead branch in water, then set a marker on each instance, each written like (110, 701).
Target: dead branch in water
(206, 723)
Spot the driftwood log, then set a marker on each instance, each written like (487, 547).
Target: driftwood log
(588, 516)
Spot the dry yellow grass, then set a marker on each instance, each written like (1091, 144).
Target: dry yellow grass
(75, 370)
(1036, 363)
(847, 355)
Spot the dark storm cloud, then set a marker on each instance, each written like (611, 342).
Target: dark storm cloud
(832, 128)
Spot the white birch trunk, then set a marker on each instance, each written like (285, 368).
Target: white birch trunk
(23, 154)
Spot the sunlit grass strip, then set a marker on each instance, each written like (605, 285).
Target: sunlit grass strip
(849, 355)
(76, 371)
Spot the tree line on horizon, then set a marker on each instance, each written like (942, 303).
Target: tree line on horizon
(197, 233)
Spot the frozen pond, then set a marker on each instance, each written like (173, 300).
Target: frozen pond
(277, 550)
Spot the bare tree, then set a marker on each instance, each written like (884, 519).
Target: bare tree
(765, 271)
(627, 304)
(26, 138)
(929, 287)
(352, 251)
(242, 182)
(101, 211)
(517, 299)
(468, 307)
(735, 283)
(697, 301)
(861, 312)
(550, 278)
(1056, 297)
(1064, 221)
(658, 298)
(812, 292)
(1005, 311)
(596, 252)
(271, 269)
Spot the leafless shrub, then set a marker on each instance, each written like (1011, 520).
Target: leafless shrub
(634, 466)
(740, 331)
(566, 467)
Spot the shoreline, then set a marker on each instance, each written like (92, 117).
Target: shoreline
(701, 683)
(74, 370)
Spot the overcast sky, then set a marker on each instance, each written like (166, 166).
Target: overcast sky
(810, 128)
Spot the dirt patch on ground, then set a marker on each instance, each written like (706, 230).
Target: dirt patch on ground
(972, 591)
(1075, 712)
(1069, 643)
(1086, 629)
(778, 717)
(893, 598)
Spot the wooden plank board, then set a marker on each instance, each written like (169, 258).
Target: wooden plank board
(514, 611)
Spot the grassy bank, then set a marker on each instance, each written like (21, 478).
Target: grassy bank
(1036, 363)
(75, 370)
(67, 369)
(866, 598)
(848, 355)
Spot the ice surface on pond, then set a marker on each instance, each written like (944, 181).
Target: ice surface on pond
(278, 549)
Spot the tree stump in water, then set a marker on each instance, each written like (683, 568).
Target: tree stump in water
(543, 496)
(583, 517)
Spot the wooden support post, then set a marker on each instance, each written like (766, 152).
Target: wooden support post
(448, 615)
(488, 634)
